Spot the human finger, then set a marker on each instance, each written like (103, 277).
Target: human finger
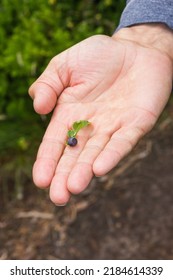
(82, 172)
(47, 88)
(49, 153)
(119, 145)
(59, 193)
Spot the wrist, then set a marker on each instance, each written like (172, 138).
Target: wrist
(152, 35)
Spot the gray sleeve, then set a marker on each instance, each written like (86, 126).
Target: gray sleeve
(147, 11)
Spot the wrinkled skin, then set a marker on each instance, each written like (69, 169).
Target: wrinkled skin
(119, 86)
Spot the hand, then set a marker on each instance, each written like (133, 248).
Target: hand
(118, 85)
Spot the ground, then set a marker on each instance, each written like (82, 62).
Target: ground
(127, 214)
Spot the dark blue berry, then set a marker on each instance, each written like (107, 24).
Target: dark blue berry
(72, 141)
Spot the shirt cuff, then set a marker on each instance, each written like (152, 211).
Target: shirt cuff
(147, 11)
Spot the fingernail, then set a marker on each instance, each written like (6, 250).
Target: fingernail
(61, 205)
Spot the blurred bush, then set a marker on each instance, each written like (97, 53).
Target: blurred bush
(31, 33)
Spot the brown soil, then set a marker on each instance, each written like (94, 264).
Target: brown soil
(127, 214)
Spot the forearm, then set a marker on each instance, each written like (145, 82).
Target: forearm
(149, 23)
(151, 35)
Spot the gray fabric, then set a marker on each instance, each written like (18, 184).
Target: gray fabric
(147, 11)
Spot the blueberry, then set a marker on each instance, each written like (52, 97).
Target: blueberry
(72, 141)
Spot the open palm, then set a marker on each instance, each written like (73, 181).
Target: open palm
(119, 86)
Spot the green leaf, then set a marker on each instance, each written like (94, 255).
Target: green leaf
(76, 127)
(80, 124)
(71, 133)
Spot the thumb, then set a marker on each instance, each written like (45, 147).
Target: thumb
(47, 88)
